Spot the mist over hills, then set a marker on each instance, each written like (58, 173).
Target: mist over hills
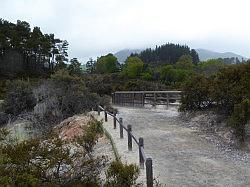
(204, 54)
(123, 54)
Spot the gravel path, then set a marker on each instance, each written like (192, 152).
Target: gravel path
(181, 156)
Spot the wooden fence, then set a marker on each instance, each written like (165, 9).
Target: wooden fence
(140, 98)
(143, 159)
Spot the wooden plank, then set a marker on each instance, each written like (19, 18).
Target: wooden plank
(148, 92)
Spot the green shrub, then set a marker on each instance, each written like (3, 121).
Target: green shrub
(3, 88)
(230, 86)
(121, 175)
(227, 91)
(195, 94)
(93, 131)
(72, 96)
(239, 118)
(146, 76)
(19, 98)
(49, 161)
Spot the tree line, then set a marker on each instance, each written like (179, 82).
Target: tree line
(38, 52)
(167, 54)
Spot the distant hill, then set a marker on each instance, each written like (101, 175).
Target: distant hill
(123, 54)
(206, 54)
(203, 54)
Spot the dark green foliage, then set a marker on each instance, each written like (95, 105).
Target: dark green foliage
(3, 88)
(121, 175)
(74, 67)
(60, 65)
(19, 98)
(231, 86)
(174, 76)
(149, 65)
(106, 64)
(239, 118)
(167, 54)
(147, 76)
(107, 83)
(211, 66)
(101, 84)
(185, 62)
(228, 91)
(196, 94)
(232, 60)
(93, 131)
(140, 85)
(26, 52)
(133, 67)
(71, 94)
(90, 66)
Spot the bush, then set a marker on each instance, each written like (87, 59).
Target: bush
(68, 95)
(122, 175)
(228, 92)
(92, 133)
(3, 88)
(19, 98)
(195, 94)
(230, 87)
(50, 161)
(239, 118)
(146, 76)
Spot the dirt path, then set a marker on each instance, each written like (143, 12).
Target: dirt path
(181, 155)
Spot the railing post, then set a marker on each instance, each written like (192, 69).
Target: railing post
(141, 158)
(155, 99)
(143, 99)
(112, 98)
(105, 114)
(129, 127)
(149, 172)
(98, 110)
(133, 99)
(121, 128)
(167, 100)
(114, 120)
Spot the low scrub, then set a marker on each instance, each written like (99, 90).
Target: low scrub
(227, 92)
(19, 98)
(52, 100)
(123, 175)
(50, 161)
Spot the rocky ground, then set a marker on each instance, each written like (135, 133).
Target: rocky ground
(215, 129)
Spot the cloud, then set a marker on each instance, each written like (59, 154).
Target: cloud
(95, 27)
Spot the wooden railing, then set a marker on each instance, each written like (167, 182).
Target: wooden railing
(143, 159)
(140, 98)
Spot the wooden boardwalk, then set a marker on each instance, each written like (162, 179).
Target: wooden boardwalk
(141, 98)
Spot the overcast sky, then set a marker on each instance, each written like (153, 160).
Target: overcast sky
(96, 27)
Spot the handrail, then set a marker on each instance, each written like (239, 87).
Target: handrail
(142, 156)
(143, 153)
(133, 136)
(176, 91)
